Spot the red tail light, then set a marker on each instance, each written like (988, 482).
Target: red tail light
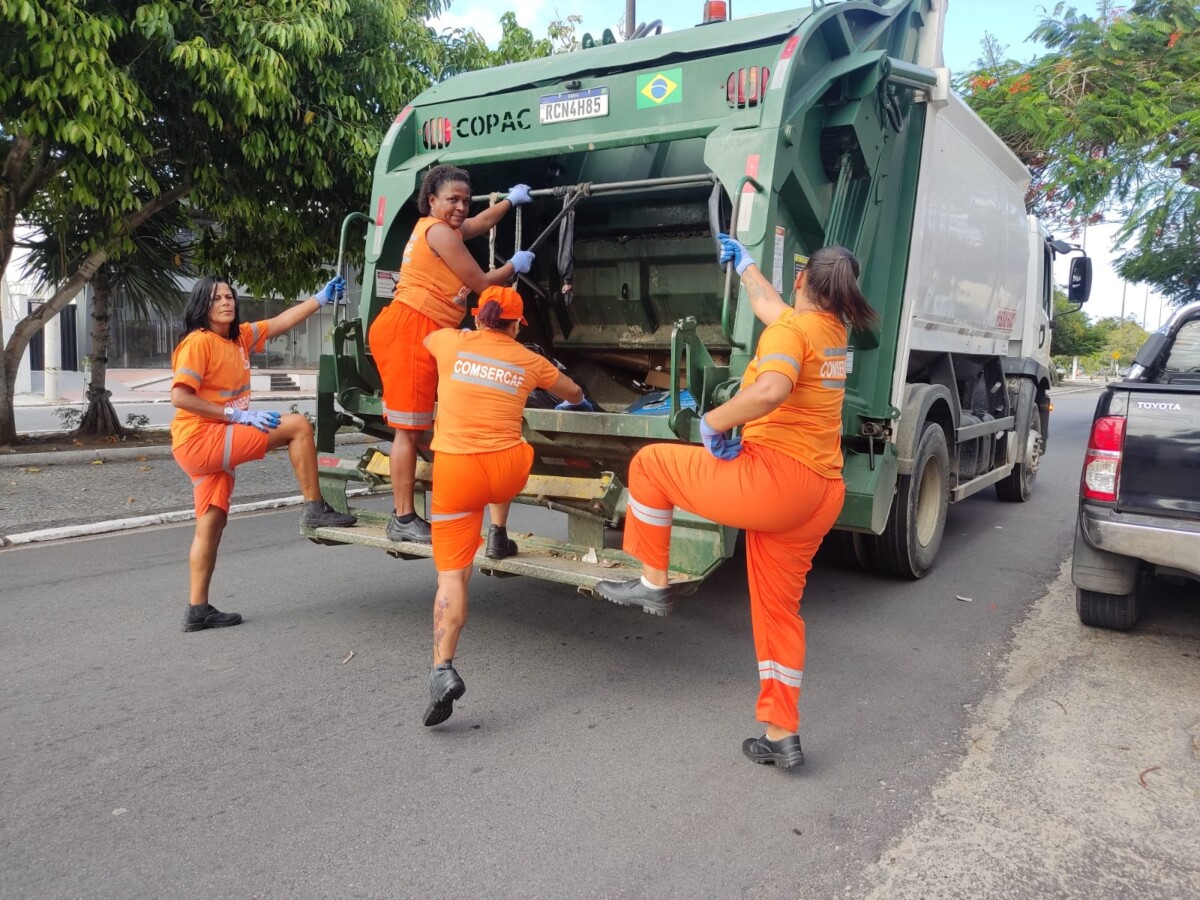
(747, 87)
(437, 133)
(1102, 463)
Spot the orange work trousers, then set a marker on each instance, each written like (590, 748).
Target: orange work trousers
(786, 510)
(463, 484)
(210, 457)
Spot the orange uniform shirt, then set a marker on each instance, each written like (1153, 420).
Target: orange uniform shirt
(810, 349)
(483, 380)
(217, 369)
(426, 282)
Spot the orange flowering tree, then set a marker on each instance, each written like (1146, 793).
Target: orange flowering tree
(1108, 121)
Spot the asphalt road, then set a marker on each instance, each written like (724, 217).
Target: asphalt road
(596, 753)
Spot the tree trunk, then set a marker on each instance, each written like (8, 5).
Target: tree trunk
(15, 348)
(100, 418)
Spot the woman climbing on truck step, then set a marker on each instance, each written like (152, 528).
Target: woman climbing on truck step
(480, 459)
(781, 480)
(437, 274)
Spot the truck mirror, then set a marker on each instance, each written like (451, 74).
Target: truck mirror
(1079, 287)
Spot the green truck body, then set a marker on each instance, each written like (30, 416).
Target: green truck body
(794, 130)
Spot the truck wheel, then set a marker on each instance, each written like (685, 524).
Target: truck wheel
(909, 544)
(1018, 486)
(1118, 612)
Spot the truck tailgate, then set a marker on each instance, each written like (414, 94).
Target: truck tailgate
(1160, 467)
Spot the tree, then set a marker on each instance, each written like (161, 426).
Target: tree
(144, 277)
(1106, 121)
(266, 115)
(1073, 334)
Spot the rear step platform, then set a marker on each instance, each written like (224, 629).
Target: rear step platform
(537, 556)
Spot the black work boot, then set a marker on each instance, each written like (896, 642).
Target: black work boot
(784, 752)
(207, 616)
(499, 545)
(319, 514)
(654, 600)
(445, 686)
(416, 530)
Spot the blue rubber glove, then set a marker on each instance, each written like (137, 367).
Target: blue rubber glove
(720, 443)
(732, 250)
(584, 405)
(262, 419)
(333, 292)
(518, 194)
(521, 261)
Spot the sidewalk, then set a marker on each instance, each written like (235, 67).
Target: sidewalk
(134, 386)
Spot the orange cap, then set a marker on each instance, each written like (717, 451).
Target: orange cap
(511, 304)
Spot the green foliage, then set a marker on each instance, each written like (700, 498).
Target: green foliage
(1073, 335)
(265, 115)
(69, 417)
(1107, 122)
(136, 420)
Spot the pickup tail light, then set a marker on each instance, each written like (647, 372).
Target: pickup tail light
(1102, 463)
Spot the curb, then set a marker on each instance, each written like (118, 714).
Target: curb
(66, 532)
(156, 451)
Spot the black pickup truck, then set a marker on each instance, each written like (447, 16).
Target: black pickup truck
(1139, 496)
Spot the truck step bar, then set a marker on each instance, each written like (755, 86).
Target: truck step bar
(538, 557)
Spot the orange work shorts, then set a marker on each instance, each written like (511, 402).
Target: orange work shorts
(463, 484)
(406, 369)
(210, 456)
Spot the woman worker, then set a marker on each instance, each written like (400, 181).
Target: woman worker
(214, 429)
(781, 481)
(436, 276)
(479, 459)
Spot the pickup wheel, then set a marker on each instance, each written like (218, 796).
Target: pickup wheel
(1118, 612)
(1018, 486)
(909, 544)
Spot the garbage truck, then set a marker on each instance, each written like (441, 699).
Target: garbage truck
(831, 124)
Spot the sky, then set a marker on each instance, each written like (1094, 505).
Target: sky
(1011, 21)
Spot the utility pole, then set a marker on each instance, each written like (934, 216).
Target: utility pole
(1145, 310)
(630, 18)
(1124, 288)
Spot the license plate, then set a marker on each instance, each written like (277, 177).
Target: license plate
(588, 104)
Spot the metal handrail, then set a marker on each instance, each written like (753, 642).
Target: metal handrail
(611, 186)
(342, 250)
(726, 307)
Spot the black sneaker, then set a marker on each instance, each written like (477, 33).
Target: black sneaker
(319, 514)
(784, 752)
(417, 531)
(499, 544)
(656, 601)
(445, 686)
(207, 616)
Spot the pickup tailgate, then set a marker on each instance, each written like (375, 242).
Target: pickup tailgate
(1160, 466)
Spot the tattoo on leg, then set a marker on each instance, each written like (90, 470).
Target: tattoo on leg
(439, 631)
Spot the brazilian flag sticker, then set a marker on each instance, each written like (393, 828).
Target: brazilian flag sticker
(660, 88)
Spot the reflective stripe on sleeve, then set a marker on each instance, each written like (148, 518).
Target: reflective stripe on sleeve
(780, 357)
(236, 392)
(189, 372)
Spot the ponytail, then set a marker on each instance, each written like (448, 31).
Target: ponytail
(831, 282)
(489, 316)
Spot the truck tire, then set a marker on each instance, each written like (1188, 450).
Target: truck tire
(1018, 486)
(909, 544)
(1118, 612)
